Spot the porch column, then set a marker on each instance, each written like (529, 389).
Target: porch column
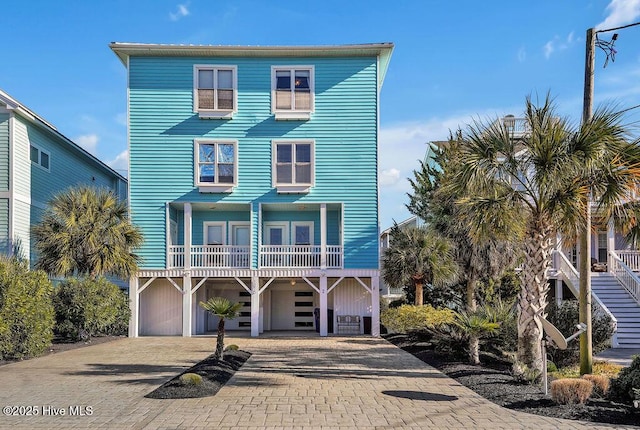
(187, 300)
(255, 306)
(323, 305)
(134, 305)
(187, 236)
(558, 291)
(375, 306)
(611, 242)
(323, 240)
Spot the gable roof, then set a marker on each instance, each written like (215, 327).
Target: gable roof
(383, 51)
(12, 104)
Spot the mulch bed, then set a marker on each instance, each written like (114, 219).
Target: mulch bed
(214, 373)
(493, 381)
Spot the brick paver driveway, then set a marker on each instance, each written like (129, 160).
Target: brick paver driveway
(288, 383)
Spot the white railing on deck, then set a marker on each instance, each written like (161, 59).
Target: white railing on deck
(629, 257)
(285, 256)
(625, 275)
(220, 256)
(572, 279)
(176, 256)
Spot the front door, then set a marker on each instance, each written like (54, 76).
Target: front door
(240, 237)
(282, 310)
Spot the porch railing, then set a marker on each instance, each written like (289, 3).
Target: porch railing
(630, 258)
(572, 279)
(225, 256)
(625, 275)
(285, 256)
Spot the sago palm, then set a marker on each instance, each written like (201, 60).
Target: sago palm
(86, 231)
(224, 309)
(417, 256)
(535, 185)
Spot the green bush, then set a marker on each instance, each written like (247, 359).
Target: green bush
(190, 379)
(565, 317)
(232, 347)
(90, 307)
(26, 312)
(626, 386)
(407, 318)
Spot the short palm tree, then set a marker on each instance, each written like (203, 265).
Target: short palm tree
(224, 309)
(536, 185)
(418, 256)
(86, 231)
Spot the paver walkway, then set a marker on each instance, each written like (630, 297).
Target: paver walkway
(288, 383)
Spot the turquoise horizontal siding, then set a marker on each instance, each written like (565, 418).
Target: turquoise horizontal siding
(4, 152)
(200, 217)
(163, 127)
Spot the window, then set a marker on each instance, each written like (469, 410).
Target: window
(215, 233)
(215, 93)
(293, 166)
(39, 157)
(215, 165)
(292, 92)
(302, 233)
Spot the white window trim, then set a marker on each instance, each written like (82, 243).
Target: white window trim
(293, 188)
(295, 224)
(205, 228)
(215, 113)
(281, 224)
(232, 225)
(293, 114)
(208, 187)
(39, 162)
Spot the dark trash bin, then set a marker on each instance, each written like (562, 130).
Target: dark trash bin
(366, 322)
(316, 317)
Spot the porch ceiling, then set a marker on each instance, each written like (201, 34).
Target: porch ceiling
(302, 207)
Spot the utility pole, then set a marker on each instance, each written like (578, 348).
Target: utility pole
(586, 338)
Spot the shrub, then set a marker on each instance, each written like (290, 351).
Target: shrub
(232, 347)
(600, 384)
(599, 368)
(551, 367)
(407, 318)
(565, 317)
(190, 379)
(90, 307)
(624, 387)
(26, 312)
(571, 391)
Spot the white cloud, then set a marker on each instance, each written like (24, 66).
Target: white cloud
(389, 177)
(522, 54)
(621, 12)
(559, 44)
(120, 163)
(181, 12)
(89, 142)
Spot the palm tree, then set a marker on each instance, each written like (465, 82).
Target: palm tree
(417, 256)
(223, 309)
(435, 202)
(86, 231)
(536, 185)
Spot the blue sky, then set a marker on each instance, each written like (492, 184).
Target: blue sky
(454, 61)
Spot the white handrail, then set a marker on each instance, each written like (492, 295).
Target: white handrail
(627, 277)
(573, 277)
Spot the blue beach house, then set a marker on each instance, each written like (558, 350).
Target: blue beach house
(37, 162)
(253, 175)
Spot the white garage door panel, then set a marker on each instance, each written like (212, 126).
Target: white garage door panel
(160, 310)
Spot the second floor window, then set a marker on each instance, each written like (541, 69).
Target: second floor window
(294, 164)
(215, 89)
(39, 157)
(215, 163)
(293, 89)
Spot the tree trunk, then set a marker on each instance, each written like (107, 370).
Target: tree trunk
(419, 301)
(220, 340)
(474, 341)
(532, 299)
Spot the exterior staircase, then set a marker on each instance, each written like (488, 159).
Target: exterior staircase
(620, 303)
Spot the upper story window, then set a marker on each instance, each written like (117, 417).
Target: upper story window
(292, 95)
(215, 91)
(39, 157)
(216, 166)
(293, 166)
